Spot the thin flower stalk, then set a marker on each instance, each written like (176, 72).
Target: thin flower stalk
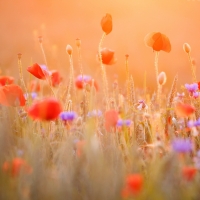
(104, 77)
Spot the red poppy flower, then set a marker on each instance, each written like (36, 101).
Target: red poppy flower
(189, 172)
(111, 118)
(79, 82)
(108, 56)
(37, 71)
(19, 164)
(12, 95)
(46, 109)
(133, 185)
(34, 86)
(6, 80)
(106, 23)
(184, 110)
(158, 41)
(55, 78)
(198, 85)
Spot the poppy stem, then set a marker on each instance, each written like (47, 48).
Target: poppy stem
(21, 74)
(104, 77)
(43, 53)
(156, 66)
(127, 80)
(71, 79)
(80, 61)
(194, 78)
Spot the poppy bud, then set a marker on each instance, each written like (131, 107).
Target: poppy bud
(69, 50)
(162, 78)
(186, 48)
(106, 23)
(78, 42)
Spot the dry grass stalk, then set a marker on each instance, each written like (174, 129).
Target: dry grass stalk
(169, 105)
(103, 70)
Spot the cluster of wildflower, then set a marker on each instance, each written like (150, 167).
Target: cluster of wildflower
(192, 89)
(68, 115)
(124, 122)
(180, 145)
(192, 123)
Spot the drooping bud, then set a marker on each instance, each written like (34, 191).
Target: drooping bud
(186, 48)
(162, 78)
(106, 23)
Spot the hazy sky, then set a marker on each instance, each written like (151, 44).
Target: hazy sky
(62, 21)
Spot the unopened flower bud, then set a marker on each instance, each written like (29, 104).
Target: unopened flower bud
(186, 48)
(69, 49)
(162, 78)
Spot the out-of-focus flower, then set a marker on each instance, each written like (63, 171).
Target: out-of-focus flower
(19, 164)
(108, 56)
(68, 115)
(85, 79)
(191, 88)
(192, 123)
(6, 80)
(182, 145)
(55, 78)
(46, 109)
(141, 105)
(133, 185)
(125, 122)
(196, 94)
(158, 41)
(111, 118)
(162, 78)
(189, 172)
(94, 113)
(186, 48)
(12, 95)
(79, 145)
(6, 166)
(106, 24)
(39, 71)
(184, 110)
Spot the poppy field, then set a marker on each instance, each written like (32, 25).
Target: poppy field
(88, 131)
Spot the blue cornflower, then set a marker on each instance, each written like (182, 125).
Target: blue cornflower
(68, 115)
(182, 145)
(125, 122)
(192, 123)
(191, 87)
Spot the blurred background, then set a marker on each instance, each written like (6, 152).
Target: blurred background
(60, 22)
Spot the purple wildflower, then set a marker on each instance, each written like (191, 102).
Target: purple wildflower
(85, 78)
(182, 145)
(34, 95)
(121, 122)
(191, 87)
(192, 123)
(68, 116)
(195, 94)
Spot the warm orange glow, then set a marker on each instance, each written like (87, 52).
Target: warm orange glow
(61, 22)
